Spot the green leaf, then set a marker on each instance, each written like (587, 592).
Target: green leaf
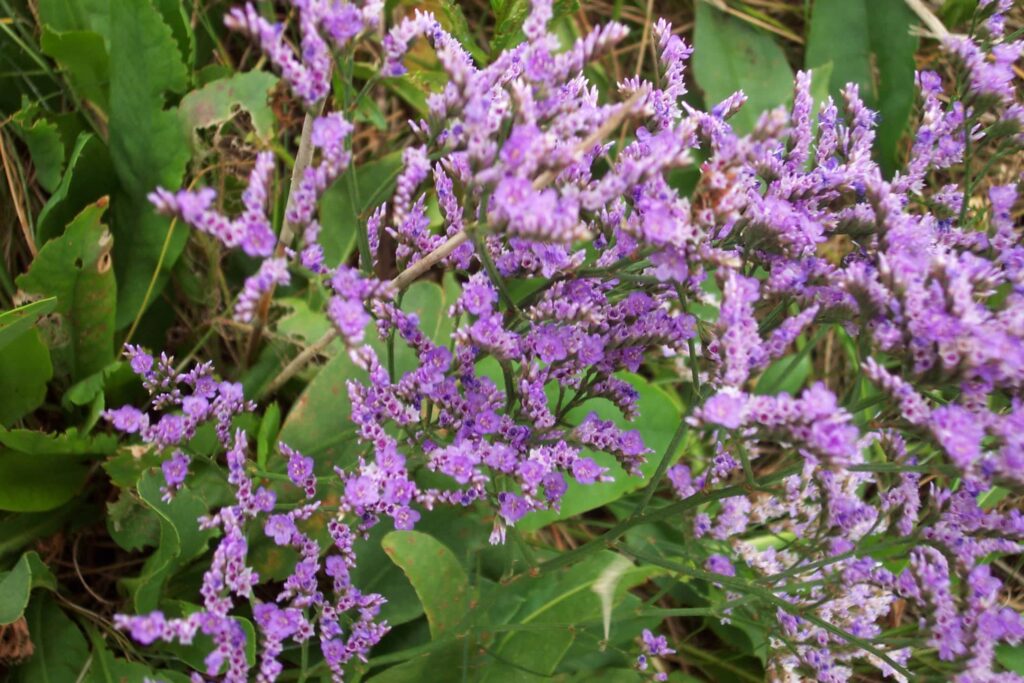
(219, 102)
(179, 16)
(83, 56)
(148, 147)
(783, 376)
(375, 573)
(25, 368)
(730, 55)
(44, 146)
(49, 468)
(76, 15)
(266, 439)
(340, 215)
(17, 584)
(455, 22)
(659, 417)
(1011, 657)
(509, 16)
(76, 269)
(87, 390)
(870, 44)
(132, 524)
(560, 599)
(88, 177)
(61, 653)
(435, 574)
(181, 540)
(15, 322)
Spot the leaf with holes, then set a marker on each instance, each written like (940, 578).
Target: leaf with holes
(76, 268)
(218, 102)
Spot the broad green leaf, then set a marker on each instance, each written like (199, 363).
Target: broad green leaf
(1011, 657)
(375, 573)
(49, 468)
(76, 268)
(870, 44)
(88, 177)
(83, 56)
(318, 422)
(181, 540)
(179, 16)
(659, 416)
(438, 664)
(340, 212)
(785, 376)
(435, 574)
(44, 146)
(77, 15)
(15, 322)
(563, 599)
(147, 146)
(25, 368)
(87, 390)
(17, 584)
(730, 55)
(69, 443)
(61, 653)
(218, 102)
(303, 322)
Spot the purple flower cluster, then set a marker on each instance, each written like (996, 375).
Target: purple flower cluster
(928, 290)
(250, 231)
(342, 617)
(324, 25)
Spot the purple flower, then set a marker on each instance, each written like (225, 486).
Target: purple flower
(720, 564)
(512, 507)
(361, 491)
(127, 419)
(281, 528)
(174, 470)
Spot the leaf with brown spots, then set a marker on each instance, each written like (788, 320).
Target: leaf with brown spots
(76, 268)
